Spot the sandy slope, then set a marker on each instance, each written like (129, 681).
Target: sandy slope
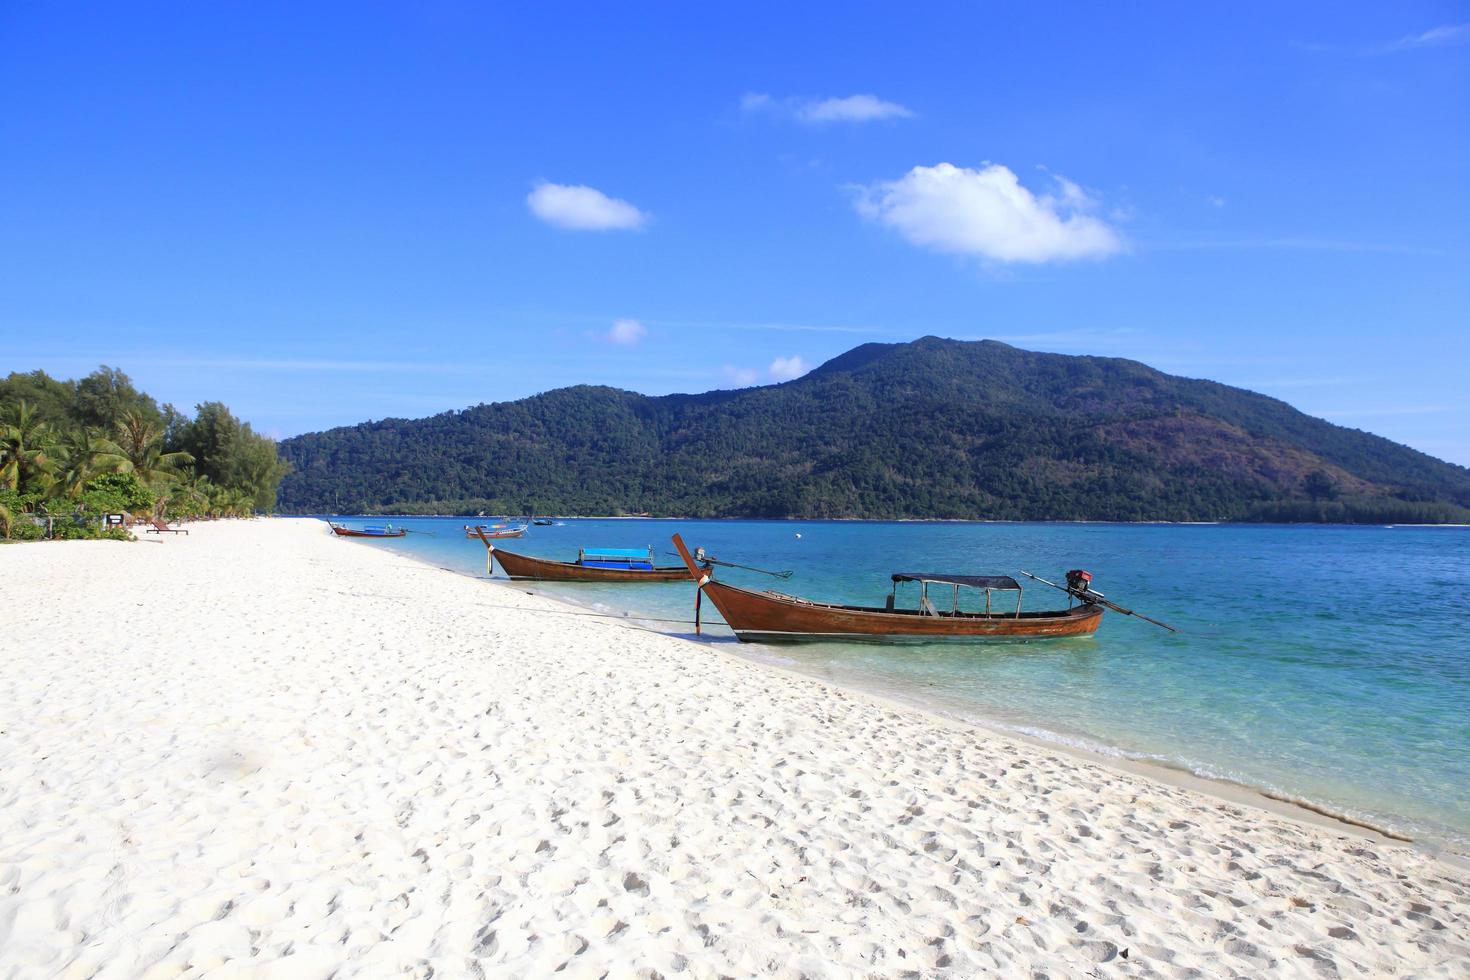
(258, 750)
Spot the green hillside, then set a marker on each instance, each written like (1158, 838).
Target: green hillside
(934, 428)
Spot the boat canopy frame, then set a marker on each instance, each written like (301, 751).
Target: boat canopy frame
(980, 583)
(631, 559)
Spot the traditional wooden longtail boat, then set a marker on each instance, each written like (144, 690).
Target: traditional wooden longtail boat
(592, 565)
(772, 617)
(369, 532)
(495, 531)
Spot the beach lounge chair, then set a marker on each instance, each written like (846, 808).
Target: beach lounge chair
(159, 527)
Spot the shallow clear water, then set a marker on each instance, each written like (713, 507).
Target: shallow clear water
(1328, 663)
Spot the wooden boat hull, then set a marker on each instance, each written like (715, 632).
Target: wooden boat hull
(347, 532)
(546, 570)
(765, 618)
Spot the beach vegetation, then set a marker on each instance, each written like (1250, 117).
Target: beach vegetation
(72, 452)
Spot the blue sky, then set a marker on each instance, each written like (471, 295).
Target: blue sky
(327, 213)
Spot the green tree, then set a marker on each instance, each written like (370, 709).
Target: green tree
(23, 458)
(114, 492)
(53, 400)
(1320, 485)
(106, 396)
(232, 455)
(141, 440)
(83, 454)
(192, 494)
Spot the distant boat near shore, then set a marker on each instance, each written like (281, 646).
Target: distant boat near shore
(494, 531)
(592, 565)
(371, 531)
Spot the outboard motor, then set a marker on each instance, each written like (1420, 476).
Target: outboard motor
(1079, 583)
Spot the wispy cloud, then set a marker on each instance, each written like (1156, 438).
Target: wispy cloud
(988, 213)
(1384, 412)
(626, 332)
(542, 314)
(1292, 244)
(778, 327)
(1304, 382)
(319, 365)
(1435, 37)
(740, 377)
(1082, 336)
(582, 208)
(1443, 36)
(845, 109)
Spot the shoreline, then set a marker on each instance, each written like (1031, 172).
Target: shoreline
(891, 520)
(1223, 790)
(1178, 775)
(264, 749)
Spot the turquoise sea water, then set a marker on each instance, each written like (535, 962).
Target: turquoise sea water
(1330, 664)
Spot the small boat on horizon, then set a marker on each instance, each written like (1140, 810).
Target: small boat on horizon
(371, 531)
(775, 617)
(592, 565)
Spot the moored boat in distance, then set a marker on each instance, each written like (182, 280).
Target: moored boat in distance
(495, 531)
(592, 565)
(371, 531)
(775, 617)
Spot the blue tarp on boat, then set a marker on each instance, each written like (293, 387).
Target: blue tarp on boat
(602, 554)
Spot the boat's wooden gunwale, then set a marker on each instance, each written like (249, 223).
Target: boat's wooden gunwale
(942, 614)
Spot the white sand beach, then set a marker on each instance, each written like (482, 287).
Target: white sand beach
(260, 751)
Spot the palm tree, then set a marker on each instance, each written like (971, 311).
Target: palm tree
(22, 447)
(238, 503)
(194, 492)
(141, 441)
(84, 454)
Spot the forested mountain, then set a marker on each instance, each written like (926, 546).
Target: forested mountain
(934, 428)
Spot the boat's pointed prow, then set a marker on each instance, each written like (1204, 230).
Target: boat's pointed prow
(489, 550)
(700, 575)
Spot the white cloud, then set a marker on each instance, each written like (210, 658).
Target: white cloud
(787, 368)
(987, 212)
(1216, 200)
(1436, 37)
(626, 331)
(740, 377)
(851, 108)
(755, 102)
(582, 208)
(854, 108)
